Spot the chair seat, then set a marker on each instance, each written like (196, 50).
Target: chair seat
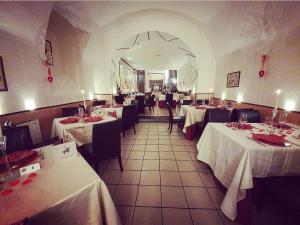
(178, 119)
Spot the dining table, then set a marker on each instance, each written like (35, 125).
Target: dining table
(109, 110)
(60, 193)
(79, 130)
(238, 154)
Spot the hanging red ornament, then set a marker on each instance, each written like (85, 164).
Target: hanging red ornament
(47, 64)
(50, 79)
(264, 58)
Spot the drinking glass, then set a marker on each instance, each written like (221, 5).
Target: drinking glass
(282, 118)
(80, 112)
(3, 151)
(243, 119)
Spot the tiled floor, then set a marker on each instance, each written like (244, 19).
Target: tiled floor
(160, 111)
(162, 182)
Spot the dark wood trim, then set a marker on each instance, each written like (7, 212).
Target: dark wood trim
(127, 64)
(161, 36)
(122, 48)
(103, 94)
(45, 107)
(173, 39)
(187, 51)
(253, 104)
(148, 35)
(136, 39)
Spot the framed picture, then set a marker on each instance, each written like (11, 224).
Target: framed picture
(3, 84)
(49, 53)
(233, 79)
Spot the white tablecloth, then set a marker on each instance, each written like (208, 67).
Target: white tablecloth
(236, 159)
(63, 193)
(192, 115)
(105, 111)
(81, 133)
(163, 97)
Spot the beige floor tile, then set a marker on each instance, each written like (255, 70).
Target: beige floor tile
(125, 195)
(150, 165)
(140, 142)
(149, 196)
(198, 197)
(177, 142)
(188, 142)
(141, 137)
(216, 195)
(136, 155)
(125, 154)
(134, 164)
(168, 165)
(173, 197)
(152, 137)
(138, 148)
(152, 142)
(176, 217)
(152, 148)
(126, 147)
(191, 179)
(125, 214)
(111, 188)
(175, 137)
(166, 155)
(130, 177)
(201, 166)
(150, 178)
(111, 176)
(191, 149)
(164, 142)
(170, 178)
(186, 166)
(206, 217)
(182, 156)
(151, 155)
(147, 216)
(179, 148)
(163, 136)
(163, 148)
(208, 179)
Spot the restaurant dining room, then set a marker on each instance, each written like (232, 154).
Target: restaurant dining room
(149, 112)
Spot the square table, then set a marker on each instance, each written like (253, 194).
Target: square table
(64, 192)
(107, 110)
(81, 132)
(235, 160)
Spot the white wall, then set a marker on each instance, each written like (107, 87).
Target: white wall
(283, 71)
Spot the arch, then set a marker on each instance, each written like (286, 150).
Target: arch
(103, 42)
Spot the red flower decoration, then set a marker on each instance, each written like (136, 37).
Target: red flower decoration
(32, 175)
(14, 183)
(6, 192)
(27, 181)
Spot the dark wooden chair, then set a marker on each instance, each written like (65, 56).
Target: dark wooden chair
(106, 144)
(18, 138)
(234, 117)
(69, 111)
(200, 101)
(187, 102)
(172, 119)
(128, 118)
(169, 99)
(149, 102)
(119, 99)
(99, 102)
(216, 116)
(253, 116)
(140, 103)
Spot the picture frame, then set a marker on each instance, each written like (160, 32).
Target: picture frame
(3, 84)
(233, 79)
(48, 52)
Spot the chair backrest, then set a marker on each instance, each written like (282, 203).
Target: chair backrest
(234, 117)
(106, 140)
(18, 138)
(99, 102)
(69, 111)
(169, 99)
(216, 116)
(152, 100)
(128, 116)
(140, 103)
(253, 116)
(200, 101)
(187, 102)
(147, 98)
(119, 99)
(170, 111)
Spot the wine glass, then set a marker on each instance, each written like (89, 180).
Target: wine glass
(282, 119)
(243, 120)
(3, 151)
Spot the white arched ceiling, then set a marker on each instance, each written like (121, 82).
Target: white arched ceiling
(102, 44)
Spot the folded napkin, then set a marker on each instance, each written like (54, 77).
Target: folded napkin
(113, 114)
(70, 120)
(245, 126)
(270, 139)
(19, 158)
(282, 126)
(92, 119)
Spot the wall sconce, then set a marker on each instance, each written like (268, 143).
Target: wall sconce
(29, 104)
(91, 96)
(290, 105)
(240, 98)
(223, 96)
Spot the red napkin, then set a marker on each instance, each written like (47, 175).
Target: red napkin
(93, 119)
(241, 126)
(113, 114)
(270, 139)
(282, 126)
(69, 120)
(6, 192)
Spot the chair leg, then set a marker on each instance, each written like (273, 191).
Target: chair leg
(123, 133)
(171, 128)
(120, 162)
(134, 129)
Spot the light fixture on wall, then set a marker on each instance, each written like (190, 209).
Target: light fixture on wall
(29, 104)
(223, 96)
(240, 98)
(91, 96)
(290, 105)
